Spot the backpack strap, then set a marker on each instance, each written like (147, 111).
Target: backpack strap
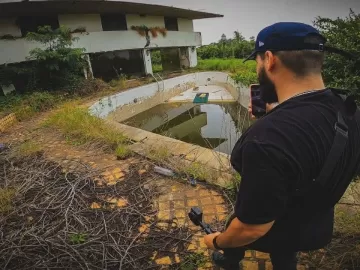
(337, 149)
(340, 140)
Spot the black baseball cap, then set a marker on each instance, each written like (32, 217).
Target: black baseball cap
(287, 36)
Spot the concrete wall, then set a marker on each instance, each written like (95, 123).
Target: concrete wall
(185, 25)
(92, 22)
(129, 103)
(149, 21)
(13, 51)
(9, 27)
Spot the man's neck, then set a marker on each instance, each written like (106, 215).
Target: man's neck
(294, 86)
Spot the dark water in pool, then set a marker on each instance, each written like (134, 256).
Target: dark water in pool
(215, 126)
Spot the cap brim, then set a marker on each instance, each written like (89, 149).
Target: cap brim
(252, 56)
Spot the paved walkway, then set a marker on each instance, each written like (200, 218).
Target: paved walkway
(178, 197)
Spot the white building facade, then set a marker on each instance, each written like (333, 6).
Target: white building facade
(108, 40)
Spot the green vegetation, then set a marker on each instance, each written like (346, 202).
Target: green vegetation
(56, 65)
(157, 68)
(77, 123)
(25, 106)
(6, 197)
(196, 170)
(160, 155)
(244, 73)
(235, 47)
(193, 261)
(26, 149)
(343, 34)
(233, 188)
(120, 82)
(78, 238)
(122, 151)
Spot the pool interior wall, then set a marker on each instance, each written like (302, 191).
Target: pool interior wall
(216, 126)
(124, 105)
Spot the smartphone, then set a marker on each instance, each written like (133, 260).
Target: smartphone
(258, 106)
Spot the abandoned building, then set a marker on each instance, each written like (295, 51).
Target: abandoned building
(118, 37)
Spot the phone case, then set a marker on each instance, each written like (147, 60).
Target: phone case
(258, 106)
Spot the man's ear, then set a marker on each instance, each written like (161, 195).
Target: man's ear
(270, 61)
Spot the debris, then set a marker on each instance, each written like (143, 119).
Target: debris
(192, 181)
(163, 171)
(95, 205)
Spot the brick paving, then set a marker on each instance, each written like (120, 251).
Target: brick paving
(178, 197)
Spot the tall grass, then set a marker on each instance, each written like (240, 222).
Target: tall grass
(232, 65)
(244, 73)
(76, 123)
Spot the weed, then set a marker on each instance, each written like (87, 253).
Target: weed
(157, 68)
(26, 149)
(233, 187)
(193, 261)
(120, 82)
(122, 151)
(78, 238)
(77, 124)
(161, 155)
(26, 106)
(6, 197)
(196, 170)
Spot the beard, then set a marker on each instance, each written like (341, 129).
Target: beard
(267, 88)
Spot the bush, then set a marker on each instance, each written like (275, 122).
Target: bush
(122, 151)
(58, 65)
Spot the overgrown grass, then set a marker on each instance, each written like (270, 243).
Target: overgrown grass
(233, 187)
(26, 106)
(160, 155)
(157, 68)
(122, 151)
(195, 170)
(244, 73)
(6, 197)
(26, 149)
(77, 123)
(193, 261)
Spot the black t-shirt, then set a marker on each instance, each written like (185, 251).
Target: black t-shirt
(284, 151)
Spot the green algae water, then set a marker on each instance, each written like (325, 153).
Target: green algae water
(217, 126)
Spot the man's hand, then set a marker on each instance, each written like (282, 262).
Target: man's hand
(269, 107)
(238, 234)
(208, 239)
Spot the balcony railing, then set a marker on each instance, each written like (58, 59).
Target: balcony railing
(14, 51)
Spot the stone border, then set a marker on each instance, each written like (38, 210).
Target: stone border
(216, 162)
(7, 121)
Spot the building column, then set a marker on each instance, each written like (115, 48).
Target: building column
(192, 56)
(188, 57)
(88, 71)
(147, 62)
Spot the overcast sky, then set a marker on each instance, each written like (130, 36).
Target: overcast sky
(250, 16)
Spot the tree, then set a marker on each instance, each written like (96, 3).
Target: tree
(238, 37)
(56, 64)
(343, 34)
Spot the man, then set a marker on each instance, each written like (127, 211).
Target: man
(286, 199)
